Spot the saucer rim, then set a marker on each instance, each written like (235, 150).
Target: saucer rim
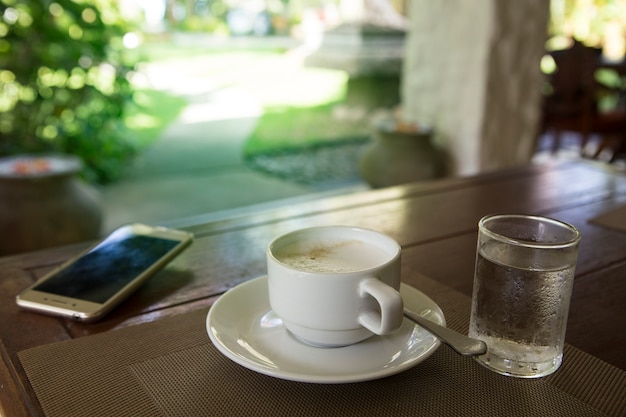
(250, 364)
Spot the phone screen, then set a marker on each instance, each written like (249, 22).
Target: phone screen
(108, 267)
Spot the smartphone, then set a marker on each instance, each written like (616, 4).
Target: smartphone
(90, 285)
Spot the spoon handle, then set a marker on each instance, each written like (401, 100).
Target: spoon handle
(457, 341)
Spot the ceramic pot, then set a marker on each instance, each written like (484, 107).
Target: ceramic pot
(43, 203)
(400, 155)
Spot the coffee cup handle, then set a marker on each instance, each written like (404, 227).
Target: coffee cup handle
(390, 316)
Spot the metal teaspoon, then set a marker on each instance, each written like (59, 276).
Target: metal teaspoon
(460, 343)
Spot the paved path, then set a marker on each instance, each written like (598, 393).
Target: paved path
(196, 167)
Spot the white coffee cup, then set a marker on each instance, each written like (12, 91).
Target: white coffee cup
(335, 285)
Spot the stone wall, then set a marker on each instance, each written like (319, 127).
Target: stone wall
(471, 71)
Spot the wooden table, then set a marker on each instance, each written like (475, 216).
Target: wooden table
(435, 222)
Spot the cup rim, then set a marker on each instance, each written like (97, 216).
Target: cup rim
(575, 239)
(397, 249)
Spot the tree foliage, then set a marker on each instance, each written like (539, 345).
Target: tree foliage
(64, 82)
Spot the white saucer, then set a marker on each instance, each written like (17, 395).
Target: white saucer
(242, 327)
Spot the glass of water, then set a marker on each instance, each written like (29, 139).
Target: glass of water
(522, 288)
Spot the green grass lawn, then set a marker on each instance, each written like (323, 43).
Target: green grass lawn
(298, 101)
(151, 112)
(289, 129)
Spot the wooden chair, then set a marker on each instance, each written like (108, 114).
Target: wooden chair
(571, 104)
(611, 124)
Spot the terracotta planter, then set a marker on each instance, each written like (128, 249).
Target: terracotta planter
(400, 154)
(43, 203)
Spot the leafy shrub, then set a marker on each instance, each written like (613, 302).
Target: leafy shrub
(64, 83)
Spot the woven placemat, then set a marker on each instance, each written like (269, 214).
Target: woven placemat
(613, 219)
(170, 368)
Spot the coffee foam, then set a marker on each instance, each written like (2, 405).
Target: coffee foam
(339, 257)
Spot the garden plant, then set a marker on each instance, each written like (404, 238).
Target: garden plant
(64, 82)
